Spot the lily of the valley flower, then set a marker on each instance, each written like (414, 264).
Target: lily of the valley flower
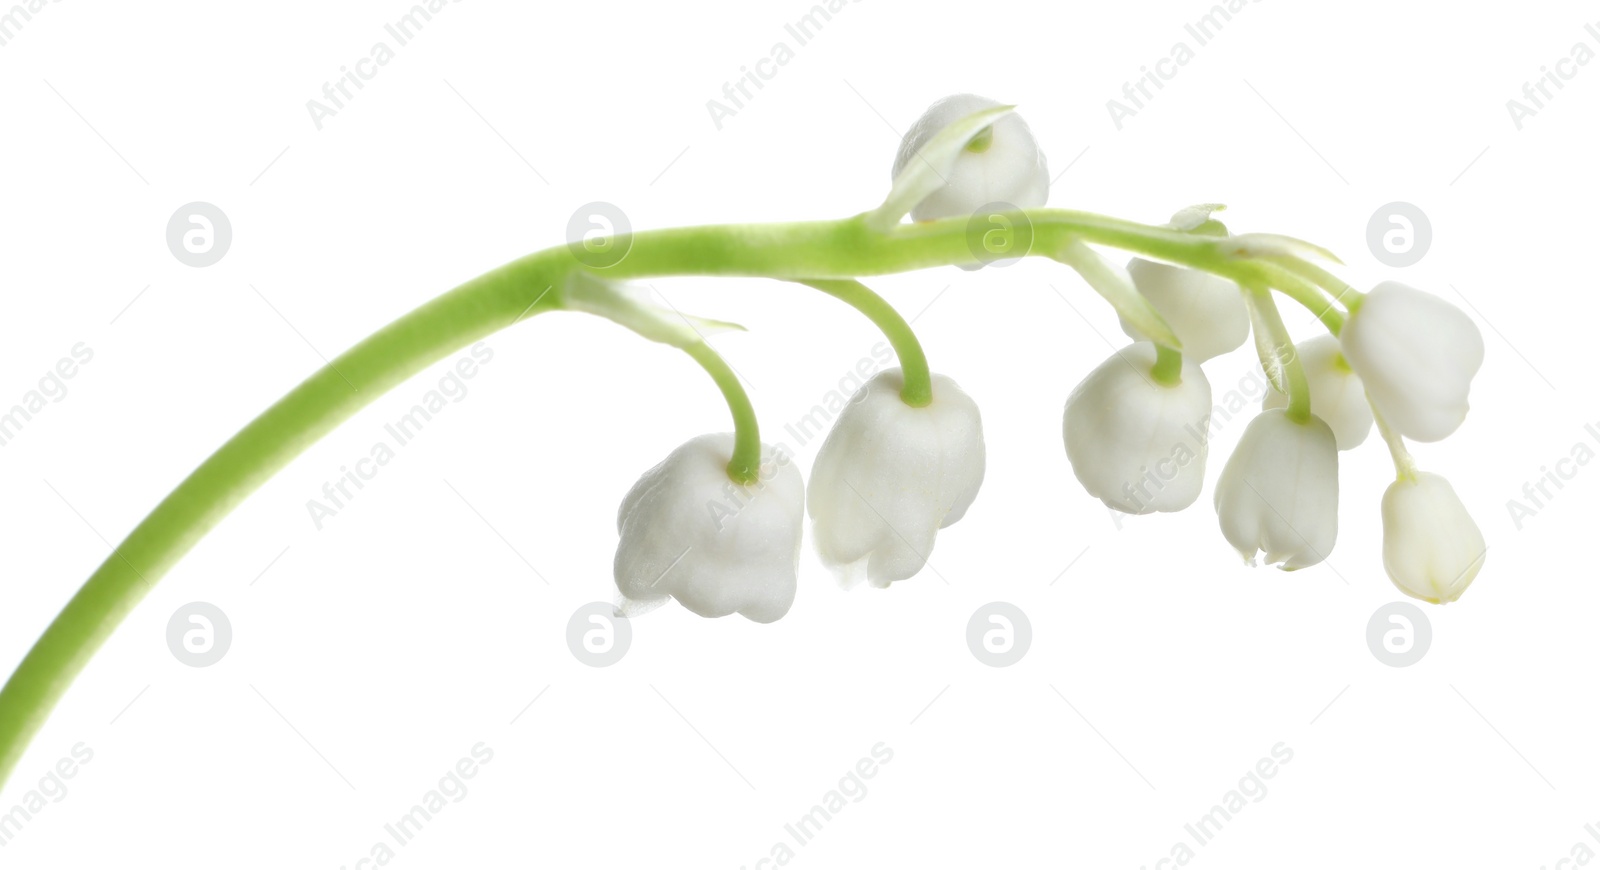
(1416, 354)
(689, 532)
(1432, 549)
(1135, 444)
(1337, 395)
(889, 476)
(1003, 164)
(1279, 491)
(1206, 312)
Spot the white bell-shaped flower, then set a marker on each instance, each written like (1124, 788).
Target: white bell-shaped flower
(689, 532)
(1279, 492)
(1337, 395)
(1135, 444)
(1416, 354)
(1207, 313)
(1003, 164)
(1432, 549)
(889, 476)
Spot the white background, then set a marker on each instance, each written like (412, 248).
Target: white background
(374, 653)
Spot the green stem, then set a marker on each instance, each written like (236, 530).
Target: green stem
(844, 249)
(850, 248)
(918, 389)
(745, 466)
(1346, 295)
(1405, 467)
(1168, 369)
(1277, 349)
(328, 397)
(623, 306)
(1309, 295)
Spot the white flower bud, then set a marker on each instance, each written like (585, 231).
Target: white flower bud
(1337, 395)
(1206, 312)
(719, 547)
(1004, 165)
(1279, 492)
(1417, 355)
(1137, 445)
(1431, 547)
(889, 476)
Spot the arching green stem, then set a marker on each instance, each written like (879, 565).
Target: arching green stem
(322, 401)
(745, 466)
(839, 249)
(918, 389)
